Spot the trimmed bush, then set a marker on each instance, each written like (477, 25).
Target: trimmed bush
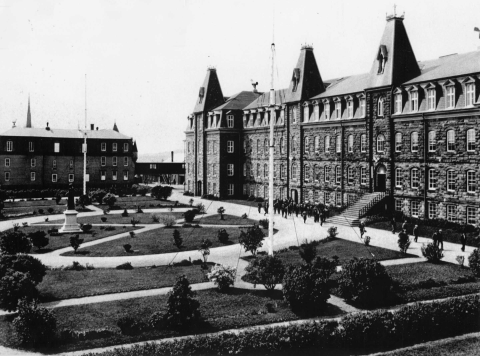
(24, 264)
(126, 266)
(183, 311)
(222, 276)
(127, 248)
(474, 262)
(168, 220)
(308, 251)
(34, 326)
(75, 242)
(13, 242)
(268, 270)
(251, 239)
(109, 199)
(365, 282)
(177, 239)
(86, 228)
(189, 215)
(222, 236)
(263, 223)
(103, 219)
(14, 286)
(39, 239)
(432, 253)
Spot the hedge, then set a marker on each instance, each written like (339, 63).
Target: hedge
(383, 329)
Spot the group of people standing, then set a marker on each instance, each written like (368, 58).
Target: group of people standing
(288, 208)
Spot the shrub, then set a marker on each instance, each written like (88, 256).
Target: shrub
(190, 202)
(222, 236)
(244, 216)
(185, 263)
(34, 325)
(134, 221)
(332, 233)
(305, 289)
(75, 242)
(84, 200)
(326, 267)
(263, 223)
(177, 239)
(201, 208)
(186, 225)
(268, 270)
(221, 211)
(125, 213)
(86, 227)
(77, 266)
(189, 215)
(156, 321)
(50, 210)
(403, 241)
(474, 262)
(110, 228)
(98, 195)
(251, 239)
(204, 249)
(126, 266)
(40, 211)
(155, 218)
(132, 234)
(308, 251)
(106, 211)
(25, 264)
(222, 276)
(109, 199)
(168, 220)
(14, 286)
(103, 218)
(127, 248)
(366, 240)
(432, 253)
(183, 310)
(130, 326)
(159, 192)
(365, 282)
(39, 239)
(13, 242)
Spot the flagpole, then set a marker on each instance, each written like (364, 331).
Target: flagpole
(84, 148)
(271, 152)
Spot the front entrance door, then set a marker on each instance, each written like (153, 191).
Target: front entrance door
(294, 195)
(381, 181)
(199, 188)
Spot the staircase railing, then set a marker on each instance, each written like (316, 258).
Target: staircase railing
(370, 204)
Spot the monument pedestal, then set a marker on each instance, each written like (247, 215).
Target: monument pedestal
(70, 225)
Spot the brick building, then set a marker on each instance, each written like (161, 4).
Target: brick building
(52, 158)
(406, 128)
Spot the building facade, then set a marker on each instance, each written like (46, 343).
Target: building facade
(406, 128)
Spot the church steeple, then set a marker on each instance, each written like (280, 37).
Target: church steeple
(29, 115)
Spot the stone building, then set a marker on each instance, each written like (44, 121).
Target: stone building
(406, 129)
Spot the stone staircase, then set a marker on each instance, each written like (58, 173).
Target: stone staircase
(350, 217)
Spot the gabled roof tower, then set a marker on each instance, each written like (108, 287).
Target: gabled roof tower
(210, 93)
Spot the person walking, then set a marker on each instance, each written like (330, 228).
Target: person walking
(435, 238)
(440, 239)
(415, 233)
(362, 229)
(322, 217)
(463, 240)
(393, 223)
(304, 214)
(266, 208)
(259, 208)
(404, 225)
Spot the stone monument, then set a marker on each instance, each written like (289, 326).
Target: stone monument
(70, 225)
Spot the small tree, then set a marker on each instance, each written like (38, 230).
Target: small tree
(109, 199)
(34, 325)
(222, 236)
(75, 242)
(332, 233)
(474, 262)
(183, 310)
(168, 220)
(308, 251)
(190, 202)
(268, 270)
(189, 215)
(432, 253)
(23, 263)
(39, 239)
(252, 239)
(222, 276)
(205, 250)
(221, 211)
(14, 286)
(403, 241)
(58, 198)
(177, 240)
(326, 267)
(201, 208)
(13, 242)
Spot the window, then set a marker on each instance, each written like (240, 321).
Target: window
(414, 101)
(103, 175)
(451, 213)
(350, 109)
(71, 163)
(432, 210)
(398, 103)
(398, 142)
(451, 184)
(283, 173)
(398, 205)
(125, 161)
(414, 143)
(56, 147)
(316, 173)
(214, 169)
(350, 175)
(316, 112)
(414, 208)
(230, 189)
(430, 99)
(450, 140)
(114, 147)
(338, 175)
(327, 173)
(104, 146)
(363, 176)
(9, 146)
(229, 121)
(103, 161)
(54, 163)
(282, 145)
(214, 147)
(114, 175)
(294, 171)
(415, 178)
(306, 145)
(432, 141)
(470, 97)
(317, 144)
(338, 198)
(7, 176)
(230, 169)
(266, 146)
(380, 143)
(33, 162)
(31, 147)
(306, 172)
(70, 178)
(338, 110)
(7, 162)
(245, 169)
(125, 175)
(125, 147)
(432, 179)
(363, 143)
(471, 140)
(293, 144)
(471, 186)
(326, 198)
(230, 146)
(398, 178)
(327, 144)
(380, 107)
(265, 170)
(362, 107)
(471, 215)
(54, 178)
(244, 146)
(338, 144)
(305, 113)
(114, 161)
(350, 143)
(32, 176)
(450, 97)
(327, 111)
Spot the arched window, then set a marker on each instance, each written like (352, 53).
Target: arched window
(350, 143)
(338, 176)
(293, 144)
(327, 173)
(317, 144)
(307, 145)
(294, 171)
(258, 169)
(432, 141)
(258, 147)
(306, 172)
(471, 140)
(450, 140)
(380, 143)
(316, 173)
(398, 142)
(363, 143)
(265, 170)
(414, 141)
(265, 146)
(282, 147)
(327, 144)
(338, 143)
(380, 107)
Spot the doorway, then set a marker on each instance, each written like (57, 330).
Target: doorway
(381, 181)
(199, 187)
(294, 195)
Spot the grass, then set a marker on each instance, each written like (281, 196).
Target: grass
(144, 202)
(61, 241)
(34, 203)
(159, 241)
(59, 284)
(228, 220)
(145, 218)
(234, 309)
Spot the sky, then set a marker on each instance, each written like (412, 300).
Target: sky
(140, 63)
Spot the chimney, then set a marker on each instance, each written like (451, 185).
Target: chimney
(172, 156)
(97, 128)
(92, 127)
(47, 128)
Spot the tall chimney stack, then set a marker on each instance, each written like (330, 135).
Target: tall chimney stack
(92, 127)
(172, 156)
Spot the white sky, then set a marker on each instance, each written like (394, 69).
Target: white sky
(145, 60)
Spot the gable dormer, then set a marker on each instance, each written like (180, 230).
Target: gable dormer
(382, 58)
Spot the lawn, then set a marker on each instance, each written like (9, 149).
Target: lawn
(34, 203)
(59, 284)
(235, 309)
(145, 218)
(144, 202)
(61, 241)
(228, 220)
(159, 241)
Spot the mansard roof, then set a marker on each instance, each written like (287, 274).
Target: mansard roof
(239, 101)
(62, 133)
(264, 99)
(345, 85)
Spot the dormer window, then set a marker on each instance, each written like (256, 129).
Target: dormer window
(350, 108)
(338, 110)
(201, 94)
(398, 103)
(362, 105)
(414, 101)
(295, 78)
(327, 110)
(230, 121)
(470, 91)
(382, 59)
(450, 94)
(316, 112)
(305, 113)
(431, 98)
(380, 107)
